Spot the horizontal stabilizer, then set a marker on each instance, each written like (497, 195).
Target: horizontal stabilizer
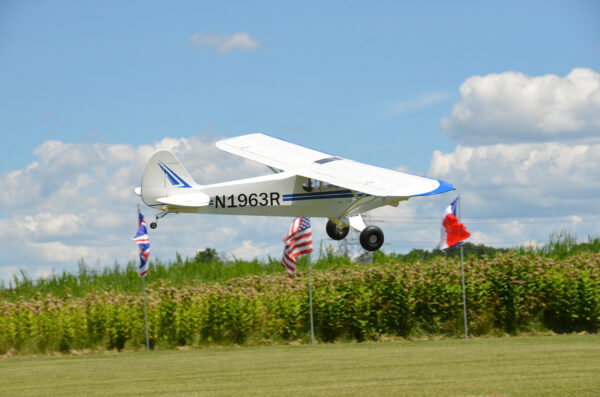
(197, 199)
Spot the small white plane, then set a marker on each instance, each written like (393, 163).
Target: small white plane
(306, 183)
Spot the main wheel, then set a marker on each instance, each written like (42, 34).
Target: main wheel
(371, 238)
(335, 232)
(153, 225)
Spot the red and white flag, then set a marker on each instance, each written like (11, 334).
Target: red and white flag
(297, 242)
(453, 232)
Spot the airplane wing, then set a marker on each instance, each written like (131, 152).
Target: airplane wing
(335, 170)
(270, 151)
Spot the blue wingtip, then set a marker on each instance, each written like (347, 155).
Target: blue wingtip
(442, 188)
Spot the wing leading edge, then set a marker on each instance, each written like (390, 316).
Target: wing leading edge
(338, 171)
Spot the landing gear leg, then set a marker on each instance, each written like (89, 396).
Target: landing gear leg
(154, 225)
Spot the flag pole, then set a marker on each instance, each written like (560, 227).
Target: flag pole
(462, 275)
(312, 327)
(145, 314)
(298, 242)
(145, 306)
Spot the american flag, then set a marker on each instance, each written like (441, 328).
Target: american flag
(297, 242)
(141, 239)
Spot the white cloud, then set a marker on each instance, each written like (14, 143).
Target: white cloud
(512, 228)
(540, 173)
(529, 154)
(76, 201)
(41, 226)
(545, 186)
(530, 244)
(43, 272)
(512, 107)
(7, 274)
(224, 43)
(479, 237)
(420, 102)
(56, 251)
(250, 250)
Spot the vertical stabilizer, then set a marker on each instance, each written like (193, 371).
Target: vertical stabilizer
(164, 176)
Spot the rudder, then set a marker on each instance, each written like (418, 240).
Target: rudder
(164, 176)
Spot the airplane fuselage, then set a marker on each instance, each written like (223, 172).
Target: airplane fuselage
(282, 194)
(311, 184)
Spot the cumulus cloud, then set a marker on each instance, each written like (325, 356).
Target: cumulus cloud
(77, 201)
(41, 226)
(224, 43)
(512, 107)
(550, 179)
(528, 152)
(250, 250)
(7, 273)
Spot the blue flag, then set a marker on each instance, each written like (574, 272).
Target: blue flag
(141, 239)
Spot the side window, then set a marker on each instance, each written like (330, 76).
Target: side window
(311, 185)
(328, 186)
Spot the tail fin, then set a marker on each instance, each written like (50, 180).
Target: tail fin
(164, 176)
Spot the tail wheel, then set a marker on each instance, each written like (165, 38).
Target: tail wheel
(371, 238)
(154, 225)
(336, 232)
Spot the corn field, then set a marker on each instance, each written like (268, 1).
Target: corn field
(509, 293)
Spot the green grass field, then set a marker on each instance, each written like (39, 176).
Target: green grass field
(517, 366)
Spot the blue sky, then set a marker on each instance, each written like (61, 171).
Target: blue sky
(323, 71)
(368, 82)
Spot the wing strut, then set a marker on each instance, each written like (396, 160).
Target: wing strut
(358, 203)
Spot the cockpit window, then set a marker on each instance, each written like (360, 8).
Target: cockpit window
(311, 185)
(314, 185)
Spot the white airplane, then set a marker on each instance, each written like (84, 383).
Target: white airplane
(306, 183)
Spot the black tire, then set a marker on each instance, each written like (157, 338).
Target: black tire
(153, 225)
(335, 232)
(371, 238)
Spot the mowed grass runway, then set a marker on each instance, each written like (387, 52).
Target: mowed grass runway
(518, 366)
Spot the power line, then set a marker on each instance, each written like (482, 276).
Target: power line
(467, 222)
(528, 221)
(434, 243)
(516, 217)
